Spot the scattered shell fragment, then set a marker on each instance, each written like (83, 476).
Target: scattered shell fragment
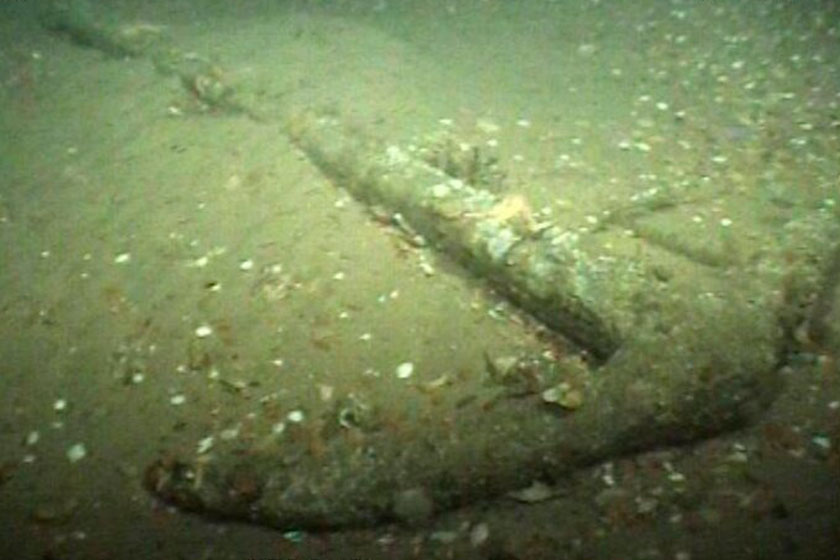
(233, 385)
(479, 534)
(394, 155)
(178, 400)
(326, 392)
(487, 126)
(500, 367)
(536, 492)
(203, 331)
(586, 49)
(440, 190)
(76, 452)
(246, 265)
(353, 412)
(200, 262)
(32, 437)
(436, 383)
(233, 182)
(821, 441)
(205, 445)
(426, 267)
(230, 433)
(444, 537)
(122, 258)
(405, 370)
(59, 405)
(563, 395)
(295, 416)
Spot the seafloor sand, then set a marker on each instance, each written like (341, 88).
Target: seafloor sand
(129, 220)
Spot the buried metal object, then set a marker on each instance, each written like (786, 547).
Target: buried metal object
(676, 357)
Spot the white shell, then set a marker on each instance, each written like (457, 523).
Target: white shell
(405, 370)
(205, 445)
(76, 452)
(479, 534)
